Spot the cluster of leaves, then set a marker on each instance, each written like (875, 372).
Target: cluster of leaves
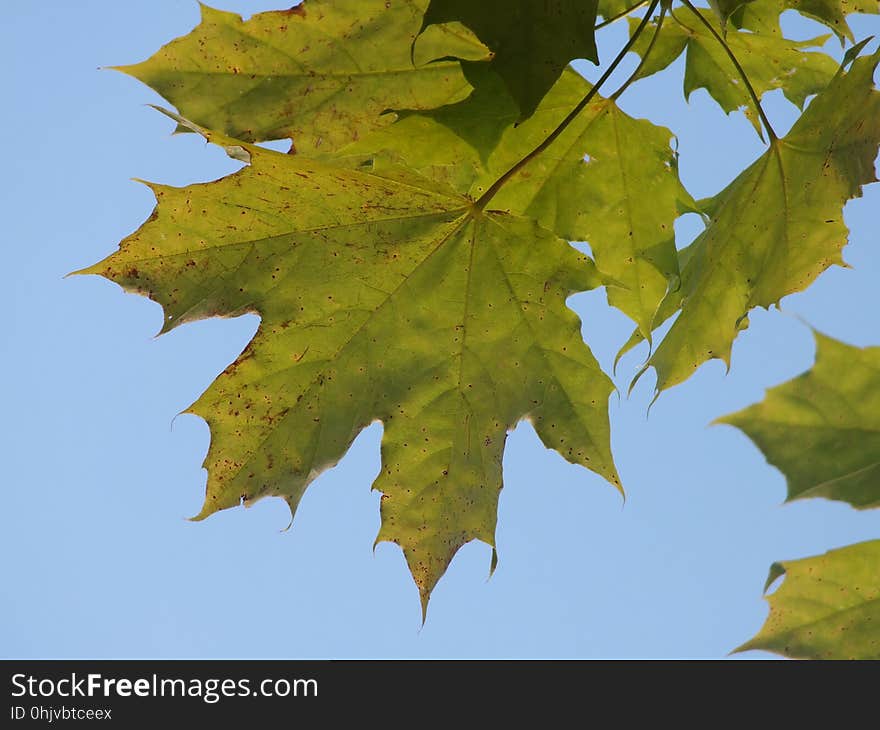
(412, 266)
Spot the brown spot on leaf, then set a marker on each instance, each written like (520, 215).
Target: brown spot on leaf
(295, 10)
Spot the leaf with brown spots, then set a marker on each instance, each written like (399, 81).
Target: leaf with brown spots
(822, 429)
(382, 297)
(828, 606)
(776, 227)
(322, 73)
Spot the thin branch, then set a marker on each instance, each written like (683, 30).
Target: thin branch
(770, 133)
(621, 14)
(635, 74)
(480, 203)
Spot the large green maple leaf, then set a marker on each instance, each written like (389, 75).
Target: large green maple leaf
(770, 62)
(532, 42)
(828, 606)
(382, 296)
(321, 73)
(777, 226)
(822, 429)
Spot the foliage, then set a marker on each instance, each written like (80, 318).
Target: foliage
(822, 430)
(410, 259)
(827, 607)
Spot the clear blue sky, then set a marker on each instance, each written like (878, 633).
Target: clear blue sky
(98, 557)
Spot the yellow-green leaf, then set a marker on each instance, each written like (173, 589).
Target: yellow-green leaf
(321, 73)
(777, 226)
(769, 61)
(382, 297)
(828, 606)
(822, 429)
(763, 15)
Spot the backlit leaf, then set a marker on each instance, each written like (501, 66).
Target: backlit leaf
(599, 199)
(382, 297)
(763, 15)
(828, 606)
(777, 226)
(822, 429)
(770, 62)
(321, 73)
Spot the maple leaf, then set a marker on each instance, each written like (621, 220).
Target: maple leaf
(532, 42)
(588, 185)
(822, 429)
(776, 227)
(763, 15)
(321, 73)
(383, 296)
(828, 606)
(769, 62)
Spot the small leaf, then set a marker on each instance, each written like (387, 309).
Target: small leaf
(770, 63)
(828, 606)
(532, 42)
(321, 73)
(777, 226)
(602, 199)
(763, 15)
(822, 429)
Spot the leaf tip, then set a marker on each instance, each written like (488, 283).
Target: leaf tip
(777, 570)
(203, 514)
(493, 564)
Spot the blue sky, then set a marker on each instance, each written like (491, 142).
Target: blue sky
(99, 476)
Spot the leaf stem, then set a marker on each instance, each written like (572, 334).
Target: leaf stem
(770, 132)
(480, 203)
(635, 74)
(621, 14)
